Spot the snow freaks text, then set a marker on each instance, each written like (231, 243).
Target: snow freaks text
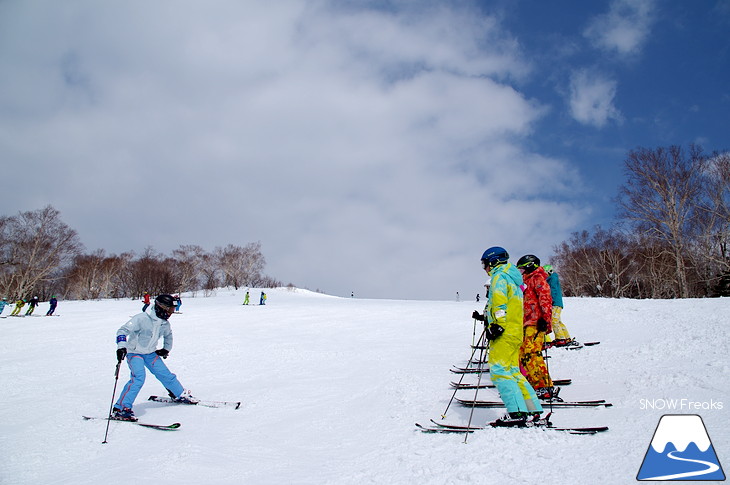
(679, 405)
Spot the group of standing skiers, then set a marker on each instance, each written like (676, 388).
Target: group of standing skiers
(262, 298)
(522, 309)
(32, 304)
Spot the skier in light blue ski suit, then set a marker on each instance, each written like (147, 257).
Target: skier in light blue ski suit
(137, 340)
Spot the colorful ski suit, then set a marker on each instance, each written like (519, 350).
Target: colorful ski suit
(538, 306)
(559, 328)
(18, 305)
(505, 308)
(146, 301)
(3, 302)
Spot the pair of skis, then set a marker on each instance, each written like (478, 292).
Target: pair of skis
(437, 427)
(173, 426)
(556, 404)
(457, 385)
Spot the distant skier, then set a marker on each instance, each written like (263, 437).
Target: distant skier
(477, 297)
(31, 305)
(262, 300)
(178, 303)
(537, 321)
(562, 336)
(18, 306)
(3, 303)
(145, 301)
(54, 302)
(137, 341)
(503, 324)
(246, 298)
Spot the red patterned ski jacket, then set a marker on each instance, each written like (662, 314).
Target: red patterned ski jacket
(538, 301)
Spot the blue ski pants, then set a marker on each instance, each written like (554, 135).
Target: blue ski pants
(137, 363)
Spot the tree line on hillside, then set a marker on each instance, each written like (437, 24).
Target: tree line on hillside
(42, 256)
(671, 236)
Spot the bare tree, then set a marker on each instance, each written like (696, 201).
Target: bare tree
(240, 266)
(96, 275)
(711, 253)
(659, 197)
(33, 246)
(189, 260)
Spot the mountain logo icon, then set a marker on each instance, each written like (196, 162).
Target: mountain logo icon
(680, 450)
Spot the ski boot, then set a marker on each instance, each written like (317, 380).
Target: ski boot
(186, 398)
(534, 420)
(511, 420)
(125, 414)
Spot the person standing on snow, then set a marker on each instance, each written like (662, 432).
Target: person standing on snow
(137, 341)
(562, 336)
(245, 299)
(31, 305)
(145, 301)
(537, 322)
(54, 302)
(3, 302)
(18, 306)
(262, 300)
(503, 320)
(178, 303)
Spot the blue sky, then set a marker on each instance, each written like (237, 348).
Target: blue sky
(372, 147)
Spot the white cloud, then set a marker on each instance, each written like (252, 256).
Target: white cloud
(367, 150)
(624, 28)
(592, 98)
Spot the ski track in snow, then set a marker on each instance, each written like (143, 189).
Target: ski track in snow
(331, 388)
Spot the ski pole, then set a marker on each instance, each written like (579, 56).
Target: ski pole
(111, 406)
(474, 332)
(547, 368)
(443, 416)
(476, 391)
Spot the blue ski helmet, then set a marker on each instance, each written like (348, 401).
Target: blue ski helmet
(494, 256)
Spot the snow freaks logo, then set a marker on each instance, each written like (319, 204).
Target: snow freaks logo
(680, 450)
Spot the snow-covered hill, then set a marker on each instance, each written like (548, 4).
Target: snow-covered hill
(331, 389)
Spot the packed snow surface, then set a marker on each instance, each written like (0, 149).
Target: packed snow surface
(331, 388)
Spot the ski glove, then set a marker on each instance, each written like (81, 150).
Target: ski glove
(121, 354)
(493, 331)
(163, 353)
(542, 325)
(477, 316)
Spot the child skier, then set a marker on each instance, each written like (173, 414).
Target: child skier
(562, 336)
(145, 301)
(31, 305)
(18, 305)
(503, 327)
(3, 302)
(537, 322)
(54, 302)
(137, 341)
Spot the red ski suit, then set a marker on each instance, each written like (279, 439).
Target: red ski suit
(538, 304)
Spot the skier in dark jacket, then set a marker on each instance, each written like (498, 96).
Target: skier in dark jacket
(31, 305)
(53, 303)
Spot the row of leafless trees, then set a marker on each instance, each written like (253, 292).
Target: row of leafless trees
(671, 239)
(40, 255)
